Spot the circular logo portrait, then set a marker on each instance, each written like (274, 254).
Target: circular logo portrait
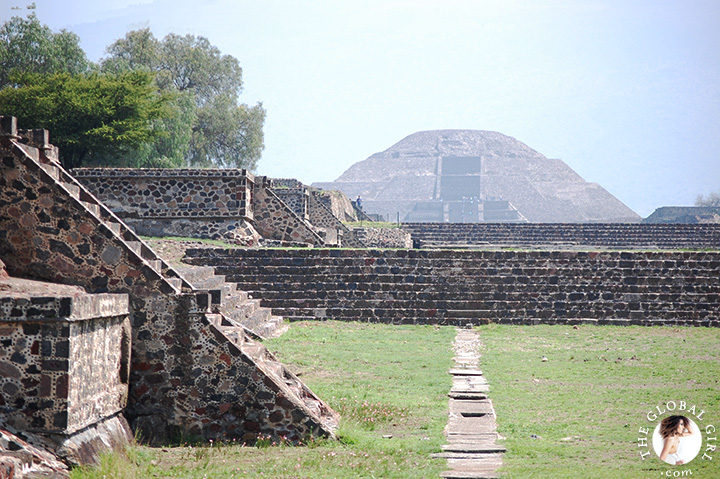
(677, 440)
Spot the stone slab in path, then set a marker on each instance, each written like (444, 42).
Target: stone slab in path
(472, 451)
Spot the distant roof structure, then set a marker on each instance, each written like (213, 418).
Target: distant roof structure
(685, 214)
(446, 166)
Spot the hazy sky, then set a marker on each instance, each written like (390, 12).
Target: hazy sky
(626, 92)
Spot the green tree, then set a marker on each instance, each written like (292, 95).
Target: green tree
(30, 47)
(91, 117)
(224, 133)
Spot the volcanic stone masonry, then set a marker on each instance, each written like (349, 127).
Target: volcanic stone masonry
(201, 203)
(192, 370)
(476, 287)
(564, 236)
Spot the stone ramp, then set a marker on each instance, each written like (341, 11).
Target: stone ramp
(472, 451)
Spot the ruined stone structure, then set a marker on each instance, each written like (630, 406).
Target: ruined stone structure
(199, 203)
(470, 175)
(64, 364)
(685, 214)
(563, 236)
(96, 328)
(475, 287)
(307, 203)
(217, 204)
(193, 370)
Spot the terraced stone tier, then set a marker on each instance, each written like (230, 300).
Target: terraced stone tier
(460, 287)
(606, 235)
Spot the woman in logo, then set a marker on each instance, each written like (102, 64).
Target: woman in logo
(672, 428)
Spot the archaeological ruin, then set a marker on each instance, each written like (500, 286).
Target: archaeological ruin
(174, 362)
(176, 349)
(467, 176)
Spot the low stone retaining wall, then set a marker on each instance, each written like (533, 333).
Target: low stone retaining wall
(460, 287)
(384, 237)
(599, 235)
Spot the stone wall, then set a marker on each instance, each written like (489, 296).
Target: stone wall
(295, 198)
(460, 287)
(322, 217)
(191, 371)
(594, 235)
(273, 219)
(202, 203)
(65, 361)
(384, 237)
(340, 205)
(685, 214)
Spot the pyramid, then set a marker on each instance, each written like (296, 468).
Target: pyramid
(440, 167)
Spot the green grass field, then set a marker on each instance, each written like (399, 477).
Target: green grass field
(585, 404)
(390, 384)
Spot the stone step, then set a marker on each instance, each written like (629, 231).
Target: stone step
(73, 189)
(337, 286)
(474, 474)
(467, 395)
(247, 259)
(197, 274)
(466, 438)
(255, 350)
(275, 367)
(155, 264)
(269, 327)
(258, 319)
(428, 272)
(465, 372)
(481, 293)
(94, 209)
(232, 299)
(51, 170)
(235, 334)
(114, 227)
(474, 448)
(136, 246)
(537, 314)
(431, 273)
(220, 292)
(415, 317)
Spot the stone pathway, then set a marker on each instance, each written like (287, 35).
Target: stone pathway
(472, 451)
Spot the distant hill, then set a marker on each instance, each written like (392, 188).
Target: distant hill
(441, 166)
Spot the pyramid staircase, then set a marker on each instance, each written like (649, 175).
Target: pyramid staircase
(31, 149)
(237, 306)
(274, 369)
(110, 221)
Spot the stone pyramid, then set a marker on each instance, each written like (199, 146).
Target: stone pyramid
(440, 165)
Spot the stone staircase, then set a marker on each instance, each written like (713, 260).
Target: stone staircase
(273, 369)
(52, 228)
(461, 287)
(51, 171)
(568, 235)
(237, 306)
